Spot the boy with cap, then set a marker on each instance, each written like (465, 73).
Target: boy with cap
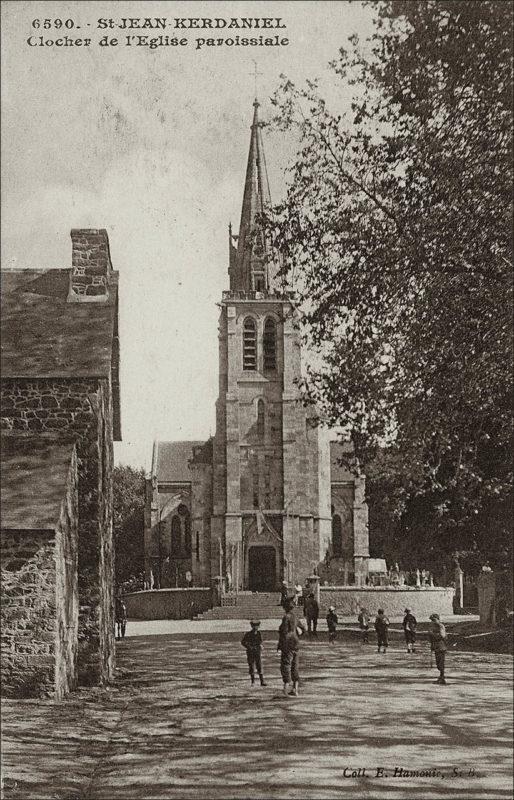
(381, 626)
(409, 628)
(332, 624)
(252, 642)
(437, 634)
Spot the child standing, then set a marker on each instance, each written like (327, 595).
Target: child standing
(409, 628)
(437, 635)
(252, 642)
(363, 620)
(381, 626)
(332, 624)
(120, 616)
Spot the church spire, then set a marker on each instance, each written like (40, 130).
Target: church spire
(249, 270)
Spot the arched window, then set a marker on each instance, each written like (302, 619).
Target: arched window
(260, 419)
(337, 536)
(270, 345)
(249, 344)
(175, 536)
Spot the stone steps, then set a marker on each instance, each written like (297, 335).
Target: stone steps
(243, 612)
(247, 605)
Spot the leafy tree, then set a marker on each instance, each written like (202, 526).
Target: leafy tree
(128, 522)
(396, 230)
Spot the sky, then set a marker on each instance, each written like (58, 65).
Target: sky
(152, 146)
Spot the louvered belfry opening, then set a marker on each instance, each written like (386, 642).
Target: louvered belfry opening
(249, 344)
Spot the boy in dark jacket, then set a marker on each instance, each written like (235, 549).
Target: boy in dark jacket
(409, 628)
(311, 611)
(332, 624)
(252, 642)
(381, 626)
(437, 634)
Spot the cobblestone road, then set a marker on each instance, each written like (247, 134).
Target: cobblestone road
(182, 722)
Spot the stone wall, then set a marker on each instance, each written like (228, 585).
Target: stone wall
(66, 588)
(80, 409)
(167, 603)
(40, 604)
(423, 601)
(48, 405)
(96, 547)
(28, 613)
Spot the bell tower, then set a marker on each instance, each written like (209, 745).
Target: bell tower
(271, 515)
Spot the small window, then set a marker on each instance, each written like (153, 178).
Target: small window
(176, 536)
(187, 541)
(197, 546)
(249, 344)
(270, 345)
(260, 419)
(337, 537)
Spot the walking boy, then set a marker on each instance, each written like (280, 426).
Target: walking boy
(437, 634)
(381, 626)
(311, 611)
(332, 624)
(363, 620)
(288, 644)
(409, 628)
(120, 616)
(252, 642)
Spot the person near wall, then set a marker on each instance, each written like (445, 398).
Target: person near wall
(381, 627)
(332, 621)
(311, 611)
(289, 645)
(284, 594)
(409, 629)
(437, 635)
(298, 594)
(120, 617)
(363, 620)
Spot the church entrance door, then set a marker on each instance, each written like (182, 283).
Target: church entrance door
(261, 569)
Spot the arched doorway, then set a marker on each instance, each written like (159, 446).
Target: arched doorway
(262, 565)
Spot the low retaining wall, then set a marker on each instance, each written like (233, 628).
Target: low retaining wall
(167, 603)
(423, 601)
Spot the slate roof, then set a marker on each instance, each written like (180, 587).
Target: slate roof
(170, 461)
(44, 336)
(34, 477)
(338, 473)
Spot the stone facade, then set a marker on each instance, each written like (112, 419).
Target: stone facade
(260, 502)
(62, 384)
(39, 611)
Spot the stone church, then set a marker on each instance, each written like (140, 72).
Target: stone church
(266, 498)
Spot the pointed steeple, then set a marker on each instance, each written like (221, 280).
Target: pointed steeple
(248, 270)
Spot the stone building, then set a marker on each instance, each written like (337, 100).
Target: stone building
(266, 498)
(60, 413)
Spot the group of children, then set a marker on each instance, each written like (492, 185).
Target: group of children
(291, 629)
(382, 628)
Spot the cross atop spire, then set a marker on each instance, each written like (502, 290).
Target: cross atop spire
(248, 270)
(255, 73)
